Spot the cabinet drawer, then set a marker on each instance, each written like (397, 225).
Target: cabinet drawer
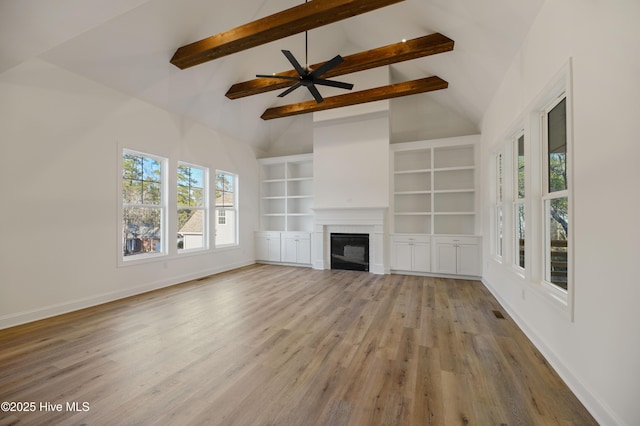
(457, 240)
(410, 238)
(296, 235)
(268, 234)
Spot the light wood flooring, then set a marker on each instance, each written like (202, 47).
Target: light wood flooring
(276, 345)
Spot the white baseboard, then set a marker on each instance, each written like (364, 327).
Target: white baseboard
(598, 409)
(24, 317)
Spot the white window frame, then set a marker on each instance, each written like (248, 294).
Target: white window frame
(204, 208)
(233, 209)
(548, 196)
(519, 202)
(163, 252)
(560, 86)
(498, 208)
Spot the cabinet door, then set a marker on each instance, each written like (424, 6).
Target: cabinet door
(421, 257)
(304, 251)
(468, 259)
(268, 248)
(289, 250)
(446, 258)
(274, 250)
(262, 248)
(402, 256)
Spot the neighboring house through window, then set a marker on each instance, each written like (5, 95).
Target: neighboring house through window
(226, 209)
(192, 207)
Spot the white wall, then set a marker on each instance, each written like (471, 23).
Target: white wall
(351, 162)
(598, 353)
(61, 145)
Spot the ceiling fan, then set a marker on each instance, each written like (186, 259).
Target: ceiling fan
(308, 77)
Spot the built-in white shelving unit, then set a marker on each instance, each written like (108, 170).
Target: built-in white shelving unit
(434, 207)
(287, 193)
(434, 189)
(286, 214)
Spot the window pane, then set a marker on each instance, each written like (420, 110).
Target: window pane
(190, 186)
(226, 231)
(131, 167)
(142, 230)
(191, 229)
(557, 243)
(499, 171)
(520, 243)
(499, 231)
(151, 170)
(557, 147)
(224, 190)
(132, 191)
(151, 193)
(227, 199)
(520, 170)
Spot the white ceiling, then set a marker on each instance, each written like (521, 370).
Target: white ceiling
(127, 44)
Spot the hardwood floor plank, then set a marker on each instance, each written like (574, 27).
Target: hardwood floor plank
(282, 345)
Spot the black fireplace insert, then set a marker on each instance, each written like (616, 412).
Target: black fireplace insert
(350, 251)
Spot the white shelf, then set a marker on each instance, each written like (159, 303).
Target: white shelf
(453, 213)
(449, 169)
(408, 172)
(411, 192)
(452, 191)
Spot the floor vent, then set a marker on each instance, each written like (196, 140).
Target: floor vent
(498, 314)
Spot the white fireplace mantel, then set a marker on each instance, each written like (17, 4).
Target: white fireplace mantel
(358, 220)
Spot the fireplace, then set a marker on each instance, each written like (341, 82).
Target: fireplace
(350, 251)
(362, 221)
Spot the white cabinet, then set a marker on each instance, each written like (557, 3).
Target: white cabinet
(457, 255)
(296, 247)
(411, 253)
(268, 246)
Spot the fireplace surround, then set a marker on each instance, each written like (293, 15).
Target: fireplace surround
(367, 221)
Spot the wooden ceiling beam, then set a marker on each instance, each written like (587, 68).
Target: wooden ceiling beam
(283, 24)
(370, 95)
(393, 53)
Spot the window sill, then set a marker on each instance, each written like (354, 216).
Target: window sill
(141, 259)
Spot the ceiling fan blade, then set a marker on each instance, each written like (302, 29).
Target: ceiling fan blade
(333, 83)
(316, 95)
(290, 89)
(283, 77)
(337, 60)
(294, 62)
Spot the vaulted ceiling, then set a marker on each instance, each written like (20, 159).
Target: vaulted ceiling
(127, 45)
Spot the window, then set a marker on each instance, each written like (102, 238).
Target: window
(555, 198)
(498, 208)
(226, 209)
(143, 208)
(519, 201)
(192, 207)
